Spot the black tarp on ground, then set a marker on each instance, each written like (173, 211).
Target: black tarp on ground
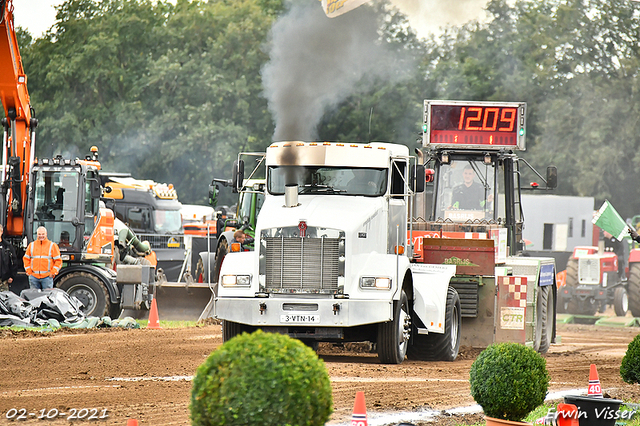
(50, 308)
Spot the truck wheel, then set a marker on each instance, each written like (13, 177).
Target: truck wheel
(221, 252)
(441, 347)
(544, 319)
(620, 301)
(89, 290)
(230, 330)
(393, 336)
(633, 289)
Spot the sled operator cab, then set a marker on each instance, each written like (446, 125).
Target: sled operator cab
(475, 183)
(475, 170)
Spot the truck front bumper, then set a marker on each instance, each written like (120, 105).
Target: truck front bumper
(299, 312)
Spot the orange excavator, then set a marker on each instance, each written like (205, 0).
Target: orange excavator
(63, 195)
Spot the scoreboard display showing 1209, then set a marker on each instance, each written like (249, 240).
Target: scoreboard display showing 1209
(484, 125)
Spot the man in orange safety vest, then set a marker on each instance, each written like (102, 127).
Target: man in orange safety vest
(42, 261)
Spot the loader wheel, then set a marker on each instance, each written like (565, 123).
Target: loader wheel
(230, 330)
(89, 290)
(393, 336)
(221, 252)
(441, 347)
(633, 289)
(544, 319)
(620, 301)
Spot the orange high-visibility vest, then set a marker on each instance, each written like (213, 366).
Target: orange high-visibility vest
(42, 259)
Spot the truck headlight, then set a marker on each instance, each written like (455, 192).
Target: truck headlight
(236, 280)
(375, 283)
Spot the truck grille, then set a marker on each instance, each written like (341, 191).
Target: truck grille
(306, 265)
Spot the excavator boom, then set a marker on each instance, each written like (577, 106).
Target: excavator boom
(18, 124)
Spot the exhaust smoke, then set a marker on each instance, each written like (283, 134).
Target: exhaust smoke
(316, 62)
(431, 16)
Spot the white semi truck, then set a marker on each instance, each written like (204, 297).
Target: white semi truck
(350, 247)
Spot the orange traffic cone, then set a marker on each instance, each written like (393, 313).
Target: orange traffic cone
(132, 422)
(359, 417)
(567, 415)
(594, 390)
(154, 320)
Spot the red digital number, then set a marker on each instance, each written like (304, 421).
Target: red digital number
(487, 119)
(511, 120)
(477, 118)
(494, 125)
(461, 122)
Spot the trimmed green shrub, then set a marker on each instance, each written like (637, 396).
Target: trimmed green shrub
(261, 379)
(630, 366)
(509, 380)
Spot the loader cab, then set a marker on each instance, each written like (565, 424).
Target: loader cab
(65, 198)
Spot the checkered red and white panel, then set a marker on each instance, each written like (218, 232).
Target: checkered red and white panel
(517, 291)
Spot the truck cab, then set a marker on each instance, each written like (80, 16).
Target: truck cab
(332, 260)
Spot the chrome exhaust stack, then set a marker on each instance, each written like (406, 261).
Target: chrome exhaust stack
(291, 195)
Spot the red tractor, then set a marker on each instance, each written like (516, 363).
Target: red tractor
(595, 280)
(597, 277)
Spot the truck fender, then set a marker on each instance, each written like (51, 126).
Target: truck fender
(105, 275)
(430, 286)
(634, 256)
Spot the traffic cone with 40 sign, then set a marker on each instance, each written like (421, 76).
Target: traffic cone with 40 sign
(359, 417)
(594, 389)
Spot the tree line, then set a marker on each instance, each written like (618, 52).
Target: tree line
(172, 92)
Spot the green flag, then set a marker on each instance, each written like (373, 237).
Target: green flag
(609, 220)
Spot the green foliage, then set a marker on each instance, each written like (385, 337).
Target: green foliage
(172, 90)
(630, 366)
(509, 380)
(261, 379)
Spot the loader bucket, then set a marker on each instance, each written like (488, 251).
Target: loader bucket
(182, 303)
(177, 302)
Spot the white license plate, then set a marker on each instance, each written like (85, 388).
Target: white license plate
(300, 319)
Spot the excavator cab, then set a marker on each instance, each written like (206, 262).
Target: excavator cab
(65, 196)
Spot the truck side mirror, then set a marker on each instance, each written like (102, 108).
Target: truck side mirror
(552, 177)
(237, 176)
(418, 178)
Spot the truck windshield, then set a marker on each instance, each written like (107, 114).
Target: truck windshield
(56, 202)
(465, 191)
(328, 180)
(167, 221)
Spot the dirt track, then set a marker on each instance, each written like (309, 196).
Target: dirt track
(144, 374)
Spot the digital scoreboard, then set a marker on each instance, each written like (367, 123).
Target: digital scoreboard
(486, 125)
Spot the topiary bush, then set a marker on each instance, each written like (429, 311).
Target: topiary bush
(509, 380)
(630, 366)
(261, 379)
